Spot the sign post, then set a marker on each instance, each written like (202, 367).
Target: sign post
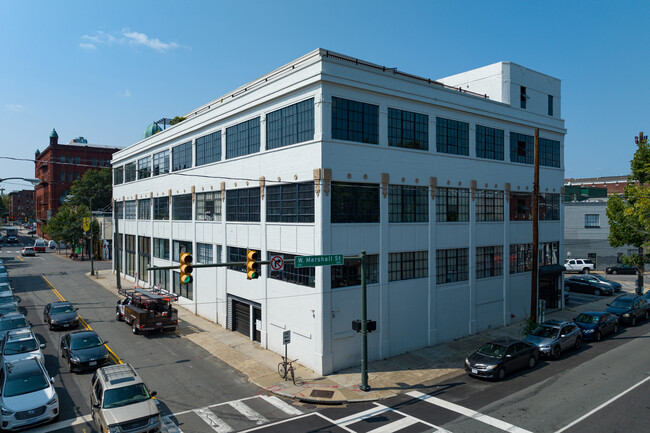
(286, 339)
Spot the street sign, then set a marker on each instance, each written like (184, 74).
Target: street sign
(286, 337)
(86, 224)
(311, 261)
(277, 263)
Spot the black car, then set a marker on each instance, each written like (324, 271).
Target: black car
(616, 286)
(629, 308)
(501, 356)
(587, 285)
(31, 232)
(60, 315)
(621, 269)
(596, 324)
(84, 350)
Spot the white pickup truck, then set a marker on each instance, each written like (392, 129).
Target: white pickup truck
(579, 265)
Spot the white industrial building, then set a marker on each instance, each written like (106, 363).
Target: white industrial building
(333, 155)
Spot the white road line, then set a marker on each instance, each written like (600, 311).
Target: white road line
(616, 397)
(248, 412)
(168, 426)
(212, 420)
(468, 412)
(395, 426)
(439, 429)
(284, 407)
(62, 424)
(360, 416)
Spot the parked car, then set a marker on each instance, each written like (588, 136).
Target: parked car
(554, 337)
(84, 350)
(616, 286)
(11, 321)
(27, 396)
(8, 299)
(621, 269)
(39, 245)
(52, 244)
(60, 315)
(28, 251)
(629, 308)
(31, 232)
(646, 296)
(21, 344)
(585, 285)
(596, 324)
(120, 399)
(579, 265)
(3, 271)
(501, 356)
(5, 288)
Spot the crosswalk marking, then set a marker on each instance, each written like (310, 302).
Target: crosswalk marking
(248, 412)
(284, 407)
(395, 425)
(360, 416)
(212, 420)
(168, 426)
(468, 412)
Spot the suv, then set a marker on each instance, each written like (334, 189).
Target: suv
(21, 344)
(629, 308)
(579, 265)
(553, 337)
(121, 401)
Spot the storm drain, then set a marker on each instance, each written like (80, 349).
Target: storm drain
(319, 393)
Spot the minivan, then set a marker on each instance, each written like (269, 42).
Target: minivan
(39, 245)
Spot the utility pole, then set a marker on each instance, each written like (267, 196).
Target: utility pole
(364, 326)
(92, 239)
(535, 274)
(116, 254)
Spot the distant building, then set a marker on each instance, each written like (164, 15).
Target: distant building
(613, 184)
(21, 205)
(61, 164)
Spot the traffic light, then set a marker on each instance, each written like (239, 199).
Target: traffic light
(252, 267)
(186, 268)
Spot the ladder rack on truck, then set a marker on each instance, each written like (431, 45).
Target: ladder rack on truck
(147, 310)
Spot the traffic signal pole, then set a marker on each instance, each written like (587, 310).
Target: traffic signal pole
(364, 327)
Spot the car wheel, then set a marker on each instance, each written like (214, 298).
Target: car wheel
(556, 352)
(532, 361)
(134, 329)
(585, 271)
(578, 343)
(646, 315)
(70, 368)
(614, 272)
(596, 292)
(615, 329)
(118, 316)
(598, 336)
(501, 373)
(633, 320)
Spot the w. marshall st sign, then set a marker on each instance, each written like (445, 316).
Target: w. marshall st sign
(310, 261)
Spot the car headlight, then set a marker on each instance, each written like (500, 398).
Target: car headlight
(75, 359)
(52, 322)
(490, 367)
(588, 331)
(545, 347)
(466, 361)
(5, 411)
(76, 319)
(626, 315)
(52, 401)
(112, 429)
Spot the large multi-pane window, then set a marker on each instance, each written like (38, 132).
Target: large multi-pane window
(408, 204)
(118, 175)
(204, 253)
(355, 202)
(452, 265)
(243, 138)
(452, 204)
(489, 143)
(355, 121)
(129, 172)
(208, 206)
(144, 209)
(161, 163)
(119, 209)
(489, 205)
(293, 203)
(289, 125)
(549, 253)
(185, 290)
(236, 254)
(243, 205)
(549, 207)
(129, 209)
(521, 206)
(161, 278)
(144, 167)
(161, 208)
(161, 248)
(489, 261)
(129, 250)
(182, 207)
(521, 258)
(208, 148)
(522, 148)
(452, 136)
(182, 156)
(349, 274)
(549, 152)
(303, 276)
(592, 221)
(179, 248)
(408, 129)
(144, 257)
(408, 265)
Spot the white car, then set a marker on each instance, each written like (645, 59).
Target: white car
(28, 251)
(27, 396)
(11, 321)
(21, 344)
(579, 265)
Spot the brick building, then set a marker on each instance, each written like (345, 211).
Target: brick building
(21, 205)
(614, 184)
(61, 164)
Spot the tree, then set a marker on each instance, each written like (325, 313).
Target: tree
(95, 186)
(176, 120)
(629, 218)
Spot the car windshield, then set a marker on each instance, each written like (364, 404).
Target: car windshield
(62, 309)
(125, 395)
(24, 346)
(7, 299)
(545, 332)
(25, 383)
(621, 303)
(86, 342)
(586, 318)
(493, 350)
(13, 324)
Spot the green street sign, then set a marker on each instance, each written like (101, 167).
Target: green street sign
(311, 261)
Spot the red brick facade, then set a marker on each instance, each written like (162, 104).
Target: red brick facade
(21, 205)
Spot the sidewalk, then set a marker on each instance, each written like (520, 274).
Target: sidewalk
(387, 378)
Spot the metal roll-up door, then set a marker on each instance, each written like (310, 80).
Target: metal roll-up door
(241, 318)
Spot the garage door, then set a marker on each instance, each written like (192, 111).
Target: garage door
(241, 319)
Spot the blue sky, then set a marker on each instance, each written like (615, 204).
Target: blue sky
(106, 69)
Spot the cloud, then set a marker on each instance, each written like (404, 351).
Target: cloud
(86, 46)
(14, 107)
(126, 93)
(100, 38)
(135, 38)
(126, 36)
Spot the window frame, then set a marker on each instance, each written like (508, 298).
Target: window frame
(290, 203)
(353, 203)
(408, 265)
(452, 265)
(408, 204)
(290, 125)
(359, 123)
(182, 156)
(243, 138)
(160, 163)
(182, 207)
(208, 148)
(408, 129)
(202, 214)
(452, 136)
(449, 198)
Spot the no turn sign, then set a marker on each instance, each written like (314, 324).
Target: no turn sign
(277, 263)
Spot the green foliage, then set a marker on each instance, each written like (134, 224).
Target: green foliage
(528, 325)
(95, 186)
(176, 120)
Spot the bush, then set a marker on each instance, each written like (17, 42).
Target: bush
(528, 325)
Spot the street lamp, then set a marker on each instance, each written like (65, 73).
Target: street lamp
(32, 181)
(92, 237)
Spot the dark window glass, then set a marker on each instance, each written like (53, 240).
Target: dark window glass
(239, 255)
(549, 253)
(161, 277)
(144, 167)
(243, 139)
(243, 205)
(290, 203)
(144, 257)
(452, 136)
(521, 206)
(489, 205)
(129, 256)
(349, 274)
(303, 276)
(144, 209)
(592, 221)
(522, 97)
(408, 204)
(408, 265)
(129, 210)
(185, 290)
(204, 253)
(489, 261)
(521, 258)
(182, 156)
(452, 265)
(208, 206)
(293, 124)
(550, 105)
(119, 209)
(355, 203)
(549, 207)
(489, 143)
(129, 172)
(181, 247)
(355, 121)
(161, 248)
(182, 207)
(522, 148)
(118, 175)
(452, 204)
(407, 129)
(549, 152)
(208, 148)
(161, 163)
(161, 208)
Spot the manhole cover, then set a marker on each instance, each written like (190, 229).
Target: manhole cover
(319, 393)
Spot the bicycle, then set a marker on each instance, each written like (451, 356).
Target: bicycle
(285, 368)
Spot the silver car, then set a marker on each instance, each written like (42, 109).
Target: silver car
(21, 344)
(554, 337)
(11, 321)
